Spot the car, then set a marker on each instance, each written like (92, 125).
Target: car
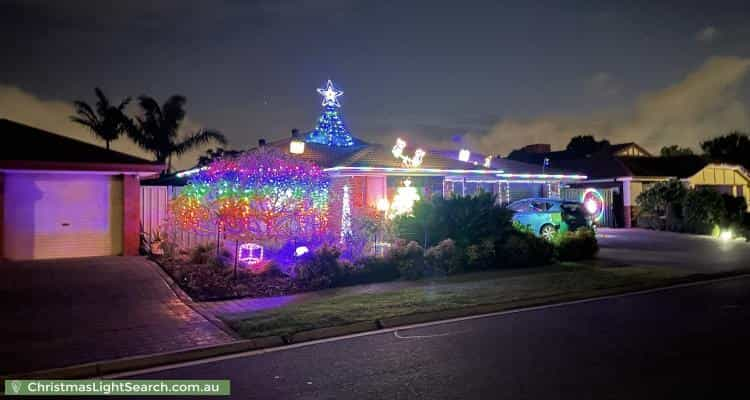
(545, 217)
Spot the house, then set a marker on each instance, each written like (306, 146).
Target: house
(60, 197)
(373, 175)
(626, 170)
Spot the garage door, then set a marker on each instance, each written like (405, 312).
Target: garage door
(55, 215)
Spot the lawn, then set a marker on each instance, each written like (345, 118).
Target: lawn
(511, 288)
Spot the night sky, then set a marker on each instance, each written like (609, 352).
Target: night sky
(497, 74)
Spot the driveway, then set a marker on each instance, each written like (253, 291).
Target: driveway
(55, 313)
(690, 253)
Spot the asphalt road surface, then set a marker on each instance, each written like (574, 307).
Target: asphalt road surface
(688, 342)
(691, 253)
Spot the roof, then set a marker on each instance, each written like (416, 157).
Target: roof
(364, 158)
(677, 167)
(605, 166)
(508, 165)
(34, 148)
(560, 155)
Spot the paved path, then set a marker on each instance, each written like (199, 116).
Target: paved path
(63, 312)
(685, 343)
(691, 253)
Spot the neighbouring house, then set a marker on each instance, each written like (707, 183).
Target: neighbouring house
(60, 197)
(375, 174)
(625, 170)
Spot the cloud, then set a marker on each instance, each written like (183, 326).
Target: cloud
(707, 34)
(704, 104)
(53, 115)
(603, 83)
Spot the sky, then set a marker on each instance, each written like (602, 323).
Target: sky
(487, 75)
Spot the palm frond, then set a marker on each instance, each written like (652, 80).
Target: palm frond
(173, 113)
(85, 122)
(102, 103)
(201, 137)
(84, 110)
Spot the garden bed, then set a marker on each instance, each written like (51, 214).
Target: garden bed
(211, 282)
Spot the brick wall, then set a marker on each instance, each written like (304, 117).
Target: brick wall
(131, 197)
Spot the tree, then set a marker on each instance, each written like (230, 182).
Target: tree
(263, 196)
(212, 155)
(107, 122)
(663, 199)
(733, 148)
(156, 131)
(676, 151)
(585, 145)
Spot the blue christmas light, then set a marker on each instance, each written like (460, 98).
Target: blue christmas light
(330, 128)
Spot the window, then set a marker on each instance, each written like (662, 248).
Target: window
(539, 206)
(519, 206)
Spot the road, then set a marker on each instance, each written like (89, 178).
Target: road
(689, 342)
(691, 253)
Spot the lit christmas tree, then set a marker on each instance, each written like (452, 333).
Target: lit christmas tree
(331, 129)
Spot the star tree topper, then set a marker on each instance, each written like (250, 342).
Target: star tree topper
(330, 95)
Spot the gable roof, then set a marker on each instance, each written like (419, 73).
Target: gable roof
(34, 148)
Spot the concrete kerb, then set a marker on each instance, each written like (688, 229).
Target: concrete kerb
(99, 368)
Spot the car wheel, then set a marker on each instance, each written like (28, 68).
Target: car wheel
(547, 232)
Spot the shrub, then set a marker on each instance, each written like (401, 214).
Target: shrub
(704, 208)
(445, 257)
(202, 253)
(656, 200)
(481, 256)
(465, 220)
(368, 270)
(523, 249)
(408, 259)
(734, 208)
(319, 269)
(578, 245)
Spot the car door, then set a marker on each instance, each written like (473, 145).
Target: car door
(539, 214)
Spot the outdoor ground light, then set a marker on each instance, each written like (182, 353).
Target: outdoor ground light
(250, 253)
(726, 235)
(300, 251)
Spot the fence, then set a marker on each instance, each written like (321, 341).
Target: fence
(608, 218)
(155, 212)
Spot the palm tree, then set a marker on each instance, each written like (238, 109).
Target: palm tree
(156, 131)
(107, 122)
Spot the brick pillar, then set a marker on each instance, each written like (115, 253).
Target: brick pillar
(627, 204)
(2, 215)
(131, 218)
(628, 216)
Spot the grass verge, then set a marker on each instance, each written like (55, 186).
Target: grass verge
(452, 293)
